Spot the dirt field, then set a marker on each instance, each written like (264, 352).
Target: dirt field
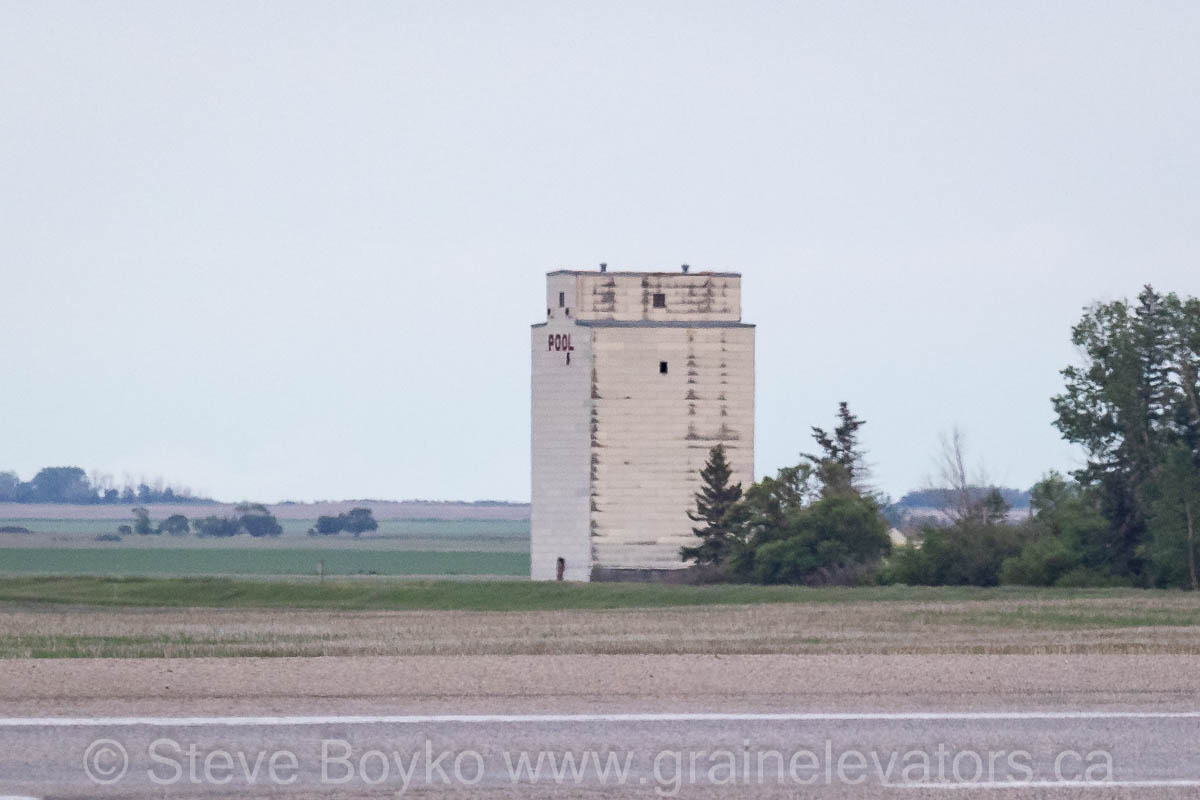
(508, 684)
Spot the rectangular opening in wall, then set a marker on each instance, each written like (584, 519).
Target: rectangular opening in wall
(562, 299)
(660, 300)
(662, 367)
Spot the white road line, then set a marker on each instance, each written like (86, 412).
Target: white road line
(484, 719)
(1148, 784)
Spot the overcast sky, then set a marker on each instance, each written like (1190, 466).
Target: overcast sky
(292, 250)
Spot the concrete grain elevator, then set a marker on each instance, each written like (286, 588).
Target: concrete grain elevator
(636, 376)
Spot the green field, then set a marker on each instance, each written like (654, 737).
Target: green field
(520, 596)
(272, 561)
(480, 529)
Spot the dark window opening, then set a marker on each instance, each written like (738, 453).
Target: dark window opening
(660, 301)
(662, 367)
(562, 299)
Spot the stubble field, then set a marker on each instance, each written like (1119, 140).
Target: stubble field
(81, 618)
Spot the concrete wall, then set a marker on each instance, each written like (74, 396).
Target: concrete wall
(652, 433)
(561, 421)
(561, 285)
(706, 296)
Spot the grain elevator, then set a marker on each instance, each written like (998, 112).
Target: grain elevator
(636, 376)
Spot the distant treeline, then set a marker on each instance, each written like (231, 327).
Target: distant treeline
(72, 485)
(250, 518)
(253, 519)
(940, 498)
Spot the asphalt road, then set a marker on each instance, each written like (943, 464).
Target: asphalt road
(856, 755)
(768, 726)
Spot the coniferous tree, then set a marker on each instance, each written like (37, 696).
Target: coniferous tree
(713, 501)
(839, 466)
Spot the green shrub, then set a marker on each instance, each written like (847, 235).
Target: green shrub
(1041, 563)
(216, 526)
(329, 526)
(825, 542)
(175, 525)
(969, 553)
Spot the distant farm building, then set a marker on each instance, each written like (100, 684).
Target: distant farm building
(636, 376)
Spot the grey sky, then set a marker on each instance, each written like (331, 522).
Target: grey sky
(292, 250)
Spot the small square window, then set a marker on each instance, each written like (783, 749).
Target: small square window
(660, 300)
(562, 299)
(662, 367)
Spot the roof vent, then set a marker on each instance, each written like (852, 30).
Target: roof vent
(685, 268)
(603, 267)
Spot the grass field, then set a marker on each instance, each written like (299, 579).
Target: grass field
(96, 617)
(388, 528)
(400, 547)
(273, 561)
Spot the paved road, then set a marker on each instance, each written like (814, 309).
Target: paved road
(755, 726)
(1077, 754)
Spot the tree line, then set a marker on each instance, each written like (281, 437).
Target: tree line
(73, 485)
(814, 522)
(253, 519)
(1128, 517)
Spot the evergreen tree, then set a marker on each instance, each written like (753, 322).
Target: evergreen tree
(713, 501)
(839, 466)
